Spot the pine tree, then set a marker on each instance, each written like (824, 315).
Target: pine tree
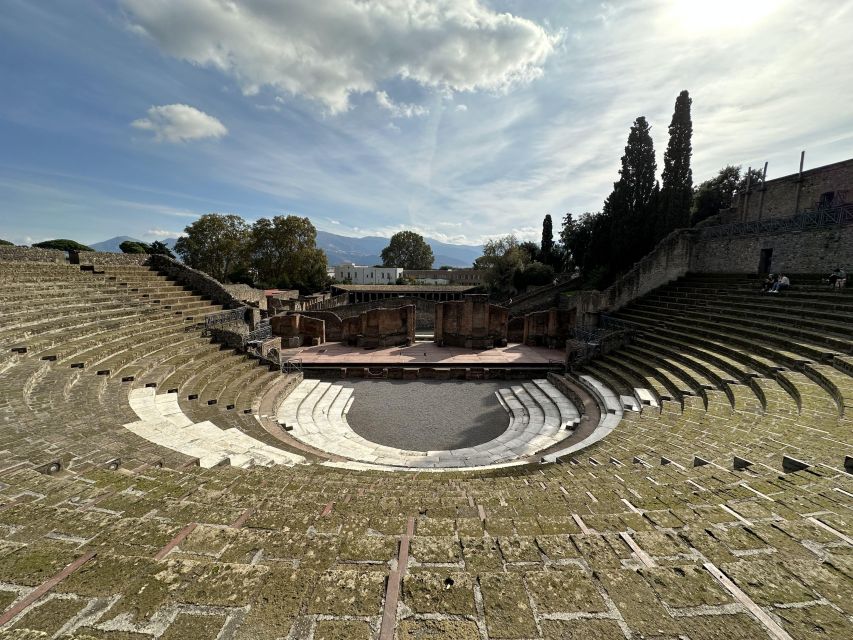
(677, 189)
(546, 248)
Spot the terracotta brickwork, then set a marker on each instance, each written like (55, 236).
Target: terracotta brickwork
(472, 323)
(380, 328)
(549, 328)
(311, 331)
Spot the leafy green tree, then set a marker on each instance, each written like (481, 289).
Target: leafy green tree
(408, 250)
(284, 253)
(132, 246)
(160, 248)
(715, 194)
(6, 243)
(63, 244)
(534, 274)
(677, 191)
(216, 244)
(501, 258)
(530, 250)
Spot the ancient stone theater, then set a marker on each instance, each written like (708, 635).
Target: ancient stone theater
(669, 457)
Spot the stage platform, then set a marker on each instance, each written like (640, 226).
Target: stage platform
(426, 354)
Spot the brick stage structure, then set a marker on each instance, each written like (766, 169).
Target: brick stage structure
(295, 326)
(472, 323)
(380, 328)
(549, 328)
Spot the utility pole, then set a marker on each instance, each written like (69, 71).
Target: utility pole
(799, 183)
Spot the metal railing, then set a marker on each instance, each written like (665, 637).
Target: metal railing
(832, 216)
(262, 332)
(228, 316)
(291, 365)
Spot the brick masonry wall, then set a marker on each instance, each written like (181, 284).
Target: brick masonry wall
(780, 194)
(814, 251)
(424, 310)
(31, 254)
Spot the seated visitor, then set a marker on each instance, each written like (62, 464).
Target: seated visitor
(768, 283)
(782, 283)
(833, 277)
(841, 278)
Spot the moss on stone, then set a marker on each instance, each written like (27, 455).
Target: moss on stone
(450, 592)
(349, 592)
(565, 590)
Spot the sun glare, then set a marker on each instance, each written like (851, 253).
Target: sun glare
(707, 15)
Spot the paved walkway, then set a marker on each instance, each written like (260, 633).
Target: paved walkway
(427, 415)
(423, 353)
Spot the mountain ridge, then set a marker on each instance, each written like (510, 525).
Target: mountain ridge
(340, 249)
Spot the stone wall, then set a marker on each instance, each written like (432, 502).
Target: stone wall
(245, 293)
(472, 323)
(809, 251)
(333, 323)
(424, 316)
(778, 198)
(31, 254)
(380, 328)
(549, 328)
(515, 329)
(106, 259)
(309, 331)
(198, 281)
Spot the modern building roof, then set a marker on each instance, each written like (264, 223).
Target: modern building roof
(404, 288)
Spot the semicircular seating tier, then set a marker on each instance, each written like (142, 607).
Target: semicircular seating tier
(539, 417)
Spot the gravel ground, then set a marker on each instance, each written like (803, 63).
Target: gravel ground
(426, 415)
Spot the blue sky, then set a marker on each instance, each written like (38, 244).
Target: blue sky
(461, 119)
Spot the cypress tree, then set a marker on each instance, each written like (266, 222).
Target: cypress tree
(627, 208)
(677, 189)
(546, 248)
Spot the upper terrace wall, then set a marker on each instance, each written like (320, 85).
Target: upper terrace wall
(809, 250)
(778, 198)
(31, 254)
(814, 251)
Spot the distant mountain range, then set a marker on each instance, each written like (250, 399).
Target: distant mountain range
(340, 249)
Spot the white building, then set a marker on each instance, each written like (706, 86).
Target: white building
(367, 275)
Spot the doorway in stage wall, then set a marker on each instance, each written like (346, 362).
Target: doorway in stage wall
(764, 261)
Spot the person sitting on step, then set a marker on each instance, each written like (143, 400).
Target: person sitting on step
(768, 283)
(841, 278)
(782, 283)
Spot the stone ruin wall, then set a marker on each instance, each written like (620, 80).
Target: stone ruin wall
(809, 251)
(380, 328)
(549, 328)
(32, 254)
(780, 194)
(295, 327)
(471, 323)
(424, 309)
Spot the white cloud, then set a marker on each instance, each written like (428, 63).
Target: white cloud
(399, 109)
(462, 107)
(327, 50)
(179, 123)
(163, 233)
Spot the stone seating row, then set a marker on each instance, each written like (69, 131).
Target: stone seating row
(539, 416)
(162, 421)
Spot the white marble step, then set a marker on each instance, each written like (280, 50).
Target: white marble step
(163, 422)
(287, 412)
(569, 414)
(646, 397)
